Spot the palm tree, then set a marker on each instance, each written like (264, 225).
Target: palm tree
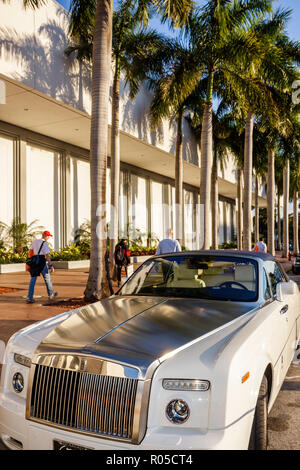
(272, 72)
(258, 72)
(235, 142)
(279, 186)
(295, 188)
(286, 200)
(81, 13)
(237, 145)
(175, 92)
(224, 133)
(281, 141)
(290, 151)
(134, 51)
(260, 164)
(224, 141)
(220, 26)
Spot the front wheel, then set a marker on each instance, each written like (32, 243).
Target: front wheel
(259, 432)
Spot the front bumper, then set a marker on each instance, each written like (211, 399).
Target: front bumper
(19, 433)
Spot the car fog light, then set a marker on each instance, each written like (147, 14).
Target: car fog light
(18, 382)
(23, 360)
(177, 411)
(187, 385)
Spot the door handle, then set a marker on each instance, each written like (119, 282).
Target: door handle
(284, 310)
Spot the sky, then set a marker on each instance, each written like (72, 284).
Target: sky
(293, 25)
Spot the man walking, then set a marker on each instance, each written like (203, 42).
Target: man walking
(41, 249)
(168, 245)
(260, 246)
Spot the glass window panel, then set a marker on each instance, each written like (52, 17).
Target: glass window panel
(6, 180)
(80, 193)
(123, 209)
(266, 289)
(275, 275)
(196, 276)
(157, 213)
(42, 180)
(188, 220)
(139, 210)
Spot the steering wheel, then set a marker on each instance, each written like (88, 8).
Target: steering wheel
(230, 283)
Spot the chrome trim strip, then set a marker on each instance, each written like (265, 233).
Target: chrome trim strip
(82, 363)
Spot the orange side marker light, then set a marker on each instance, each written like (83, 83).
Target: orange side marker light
(245, 377)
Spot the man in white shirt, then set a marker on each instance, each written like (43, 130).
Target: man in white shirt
(260, 246)
(168, 245)
(40, 247)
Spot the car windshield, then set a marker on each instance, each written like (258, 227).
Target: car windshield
(195, 276)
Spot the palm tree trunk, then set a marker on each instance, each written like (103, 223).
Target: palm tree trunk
(278, 221)
(97, 285)
(296, 223)
(239, 209)
(256, 210)
(179, 181)
(286, 191)
(248, 164)
(271, 202)
(214, 203)
(115, 165)
(206, 164)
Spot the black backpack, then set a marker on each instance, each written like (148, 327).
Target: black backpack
(36, 263)
(119, 254)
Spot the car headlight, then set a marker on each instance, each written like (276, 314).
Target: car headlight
(18, 382)
(177, 411)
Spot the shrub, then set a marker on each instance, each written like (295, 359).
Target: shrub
(228, 246)
(68, 253)
(143, 251)
(9, 256)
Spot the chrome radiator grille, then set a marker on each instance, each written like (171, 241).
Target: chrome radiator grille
(84, 402)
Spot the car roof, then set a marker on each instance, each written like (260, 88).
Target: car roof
(238, 253)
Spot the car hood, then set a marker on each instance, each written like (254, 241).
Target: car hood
(138, 330)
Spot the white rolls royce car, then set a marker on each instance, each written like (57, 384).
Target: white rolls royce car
(190, 353)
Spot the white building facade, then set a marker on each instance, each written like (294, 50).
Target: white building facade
(45, 106)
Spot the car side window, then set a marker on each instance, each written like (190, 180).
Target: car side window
(266, 288)
(275, 275)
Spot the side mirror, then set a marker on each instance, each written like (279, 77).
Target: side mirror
(284, 289)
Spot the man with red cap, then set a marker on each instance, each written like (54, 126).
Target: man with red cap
(41, 249)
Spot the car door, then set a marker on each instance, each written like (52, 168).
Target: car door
(285, 312)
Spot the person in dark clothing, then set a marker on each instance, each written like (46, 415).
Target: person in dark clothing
(121, 258)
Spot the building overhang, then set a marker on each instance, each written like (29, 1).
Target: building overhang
(35, 111)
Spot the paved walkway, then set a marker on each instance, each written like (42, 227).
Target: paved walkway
(13, 305)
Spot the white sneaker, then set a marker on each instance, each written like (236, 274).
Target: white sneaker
(52, 296)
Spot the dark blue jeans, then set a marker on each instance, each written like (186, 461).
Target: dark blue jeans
(46, 275)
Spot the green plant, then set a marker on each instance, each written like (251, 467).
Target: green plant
(68, 253)
(152, 239)
(228, 245)
(83, 233)
(20, 235)
(143, 251)
(8, 256)
(84, 248)
(3, 235)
